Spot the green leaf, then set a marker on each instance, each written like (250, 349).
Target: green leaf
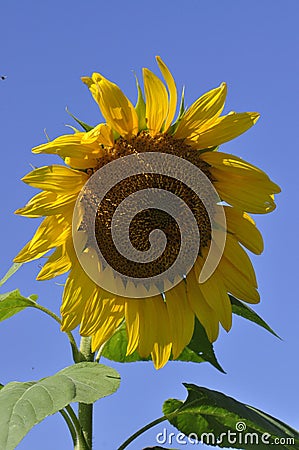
(198, 350)
(82, 124)
(158, 448)
(171, 405)
(91, 380)
(13, 302)
(243, 310)
(10, 272)
(216, 419)
(116, 347)
(23, 405)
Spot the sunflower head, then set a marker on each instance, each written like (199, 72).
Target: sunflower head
(149, 218)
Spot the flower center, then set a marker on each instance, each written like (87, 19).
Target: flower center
(149, 219)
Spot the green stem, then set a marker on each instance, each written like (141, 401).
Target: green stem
(80, 443)
(70, 425)
(85, 410)
(100, 351)
(142, 430)
(75, 351)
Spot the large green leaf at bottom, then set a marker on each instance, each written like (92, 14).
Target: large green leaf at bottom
(23, 405)
(222, 421)
(198, 350)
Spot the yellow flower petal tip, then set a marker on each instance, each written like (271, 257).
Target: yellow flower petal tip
(160, 323)
(87, 81)
(255, 117)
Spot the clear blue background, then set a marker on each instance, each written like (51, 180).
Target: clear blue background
(45, 47)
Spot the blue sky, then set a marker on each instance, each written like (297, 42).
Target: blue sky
(45, 48)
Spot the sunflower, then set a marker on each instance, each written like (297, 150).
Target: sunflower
(160, 325)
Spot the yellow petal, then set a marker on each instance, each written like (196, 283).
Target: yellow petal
(236, 282)
(156, 102)
(205, 314)
(92, 84)
(172, 92)
(56, 178)
(77, 291)
(181, 318)
(132, 315)
(162, 346)
(239, 258)
(57, 264)
(252, 198)
(115, 107)
(223, 160)
(216, 297)
(243, 227)
(26, 254)
(148, 330)
(102, 134)
(243, 185)
(161, 354)
(47, 204)
(81, 163)
(224, 129)
(71, 321)
(102, 315)
(92, 310)
(227, 167)
(69, 145)
(202, 112)
(52, 232)
(108, 327)
(246, 179)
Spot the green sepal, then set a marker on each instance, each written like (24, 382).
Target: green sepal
(182, 105)
(116, 135)
(174, 126)
(140, 108)
(198, 350)
(80, 122)
(246, 312)
(211, 416)
(11, 271)
(210, 149)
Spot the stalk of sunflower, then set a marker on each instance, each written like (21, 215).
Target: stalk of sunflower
(159, 325)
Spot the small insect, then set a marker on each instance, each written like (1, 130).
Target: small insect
(3, 77)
